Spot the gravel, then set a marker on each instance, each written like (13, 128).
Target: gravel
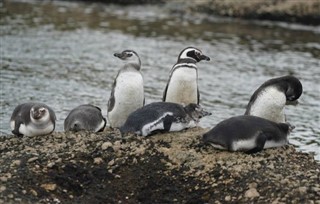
(165, 168)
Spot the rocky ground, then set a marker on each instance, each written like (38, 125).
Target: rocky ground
(164, 168)
(299, 11)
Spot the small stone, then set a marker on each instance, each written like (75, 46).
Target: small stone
(251, 193)
(32, 159)
(227, 198)
(105, 145)
(117, 146)
(302, 190)
(253, 185)
(10, 196)
(33, 192)
(3, 179)
(24, 191)
(97, 160)
(50, 164)
(16, 163)
(2, 188)
(49, 186)
(110, 163)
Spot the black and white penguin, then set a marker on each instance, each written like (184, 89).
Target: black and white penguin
(269, 100)
(32, 119)
(127, 93)
(246, 133)
(182, 86)
(163, 117)
(85, 117)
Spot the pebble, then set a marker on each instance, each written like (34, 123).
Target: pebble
(105, 145)
(97, 160)
(251, 193)
(32, 159)
(49, 186)
(227, 198)
(2, 188)
(16, 163)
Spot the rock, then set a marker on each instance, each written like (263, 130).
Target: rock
(16, 163)
(251, 193)
(32, 159)
(49, 186)
(97, 160)
(227, 198)
(2, 188)
(105, 145)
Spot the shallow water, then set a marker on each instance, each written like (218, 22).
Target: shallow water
(61, 53)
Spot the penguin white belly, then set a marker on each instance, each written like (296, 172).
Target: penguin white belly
(269, 105)
(244, 144)
(129, 96)
(271, 144)
(32, 130)
(100, 126)
(183, 88)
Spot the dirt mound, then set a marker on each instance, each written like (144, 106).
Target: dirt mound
(165, 168)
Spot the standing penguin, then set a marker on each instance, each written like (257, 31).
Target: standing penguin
(247, 133)
(85, 117)
(182, 86)
(163, 117)
(127, 93)
(32, 119)
(269, 100)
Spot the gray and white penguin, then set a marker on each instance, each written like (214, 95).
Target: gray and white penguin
(163, 117)
(127, 93)
(182, 86)
(269, 100)
(250, 134)
(32, 119)
(85, 117)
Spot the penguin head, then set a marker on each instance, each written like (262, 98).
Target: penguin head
(193, 54)
(195, 111)
(129, 56)
(39, 113)
(293, 89)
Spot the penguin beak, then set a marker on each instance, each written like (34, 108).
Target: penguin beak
(117, 55)
(204, 57)
(294, 103)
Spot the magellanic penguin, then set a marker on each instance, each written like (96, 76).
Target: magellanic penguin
(32, 119)
(163, 117)
(85, 117)
(127, 93)
(250, 134)
(182, 86)
(269, 100)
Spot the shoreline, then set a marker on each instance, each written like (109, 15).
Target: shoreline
(166, 168)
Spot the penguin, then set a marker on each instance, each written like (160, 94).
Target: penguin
(85, 117)
(182, 86)
(163, 117)
(269, 100)
(32, 119)
(127, 93)
(246, 133)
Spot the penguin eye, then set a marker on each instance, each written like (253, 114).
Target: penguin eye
(129, 54)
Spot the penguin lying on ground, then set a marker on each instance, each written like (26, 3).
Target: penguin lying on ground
(269, 100)
(32, 119)
(162, 117)
(246, 133)
(127, 93)
(182, 86)
(85, 117)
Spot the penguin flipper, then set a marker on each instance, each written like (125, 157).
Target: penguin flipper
(15, 131)
(260, 141)
(165, 92)
(167, 122)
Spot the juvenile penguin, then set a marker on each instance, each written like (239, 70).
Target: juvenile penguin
(32, 119)
(269, 100)
(85, 117)
(127, 93)
(182, 86)
(163, 117)
(246, 133)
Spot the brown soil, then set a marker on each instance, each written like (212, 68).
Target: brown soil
(164, 168)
